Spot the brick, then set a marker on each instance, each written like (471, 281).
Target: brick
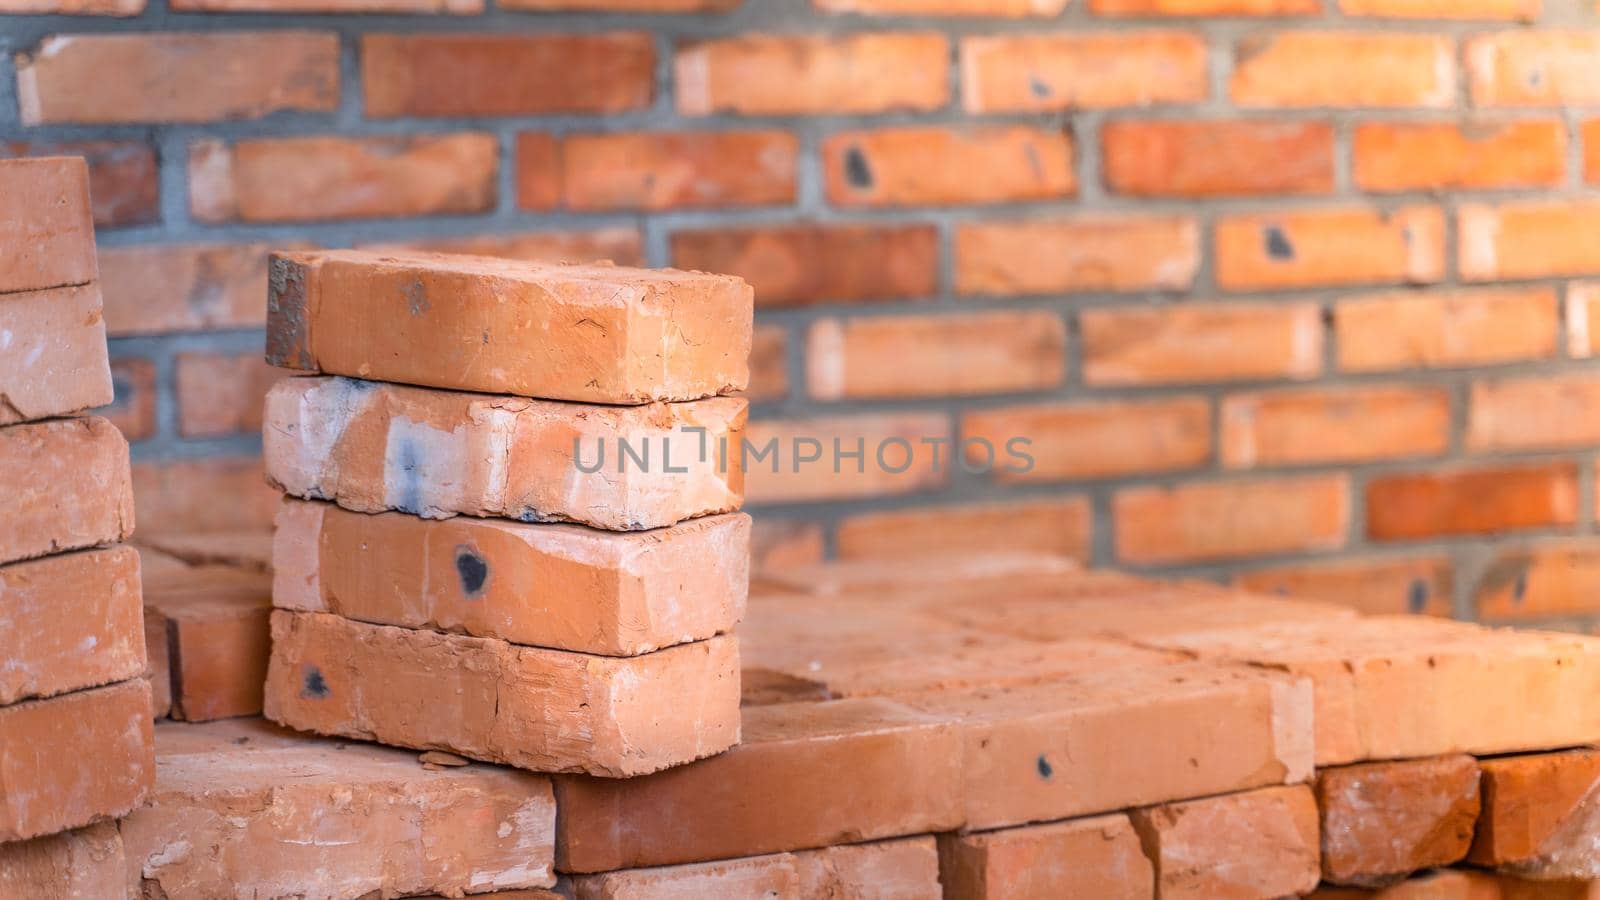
(641, 6)
(621, 245)
(158, 656)
(218, 637)
(1538, 816)
(1323, 425)
(918, 576)
(1010, 9)
(462, 75)
(593, 334)
(1094, 857)
(332, 178)
(1203, 7)
(935, 166)
(1589, 132)
(769, 364)
(1483, 500)
(1200, 342)
(72, 621)
(1333, 246)
(1082, 254)
(1528, 239)
(1445, 328)
(1530, 414)
(1541, 581)
(1344, 69)
(812, 74)
(1093, 439)
(921, 356)
(75, 7)
(1518, 10)
(1459, 884)
(66, 487)
(865, 262)
(1256, 844)
(670, 170)
(124, 186)
(160, 289)
(175, 77)
(74, 759)
(1214, 520)
(421, 7)
(86, 864)
(1533, 68)
(1059, 526)
(846, 770)
(557, 586)
(1372, 585)
(901, 453)
(1444, 156)
(180, 495)
(779, 543)
(1203, 158)
(1381, 820)
(249, 550)
(221, 394)
(46, 228)
(52, 353)
(354, 820)
(905, 868)
(1066, 71)
(133, 409)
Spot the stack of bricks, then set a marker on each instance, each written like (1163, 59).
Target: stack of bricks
(544, 572)
(75, 721)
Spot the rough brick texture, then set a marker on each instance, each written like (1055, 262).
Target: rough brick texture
(904, 868)
(64, 485)
(215, 620)
(74, 865)
(53, 362)
(46, 228)
(1381, 820)
(72, 621)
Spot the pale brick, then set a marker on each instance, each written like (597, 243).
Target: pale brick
(1540, 815)
(71, 621)
(64, 485)
(52, 353)
(1381, 820)
(87, 864)
(1256, 844)
(46, 228)
(216, 622)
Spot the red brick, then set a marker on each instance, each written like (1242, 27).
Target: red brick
(455, 7)
(811, 74)
(174, 77)
(1213, 520)
(780, 543)
(1055, 526)
(74, 865)
(904, 868)
(319, 178)
(458, 75)
(1381, 820)
(63, 486)
(1333, 246)
(1472, 501)
(215, 619)
(1196, 342)
(158, 656)
(1445, 329)
(180, 495)
(124, 187)
(1537, 817)
(933, 166)
(1543, 581)
(769, 364)
(920, 444)
(667, 170)
(920, 356)
(74, 7)
(1065, 71)
(621, 245)
(1261, 843)
(222, 393)
(1096, 857)
(865, 262)
(1211, 159)
(133, 412)
(1097, 253)
(1547, 412)
(52, 353)
(1590, 132)
(1326, 425)
(640, 6)
(1533, 68)
(1094, 439)
(46, 232)
(1518, 10)
(1528, 239)
(1344, 69)
(72, 621)
(1010, 9)
(1372, 585)
(1445, 156)
(157, 289)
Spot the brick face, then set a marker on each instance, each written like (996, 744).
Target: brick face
(1226, 519)
(1043, 72)
(1472, 501)
(1206, 159)
(1445, 328)
(1097, 440)
(658, 170)
(927, 356)
(1414, 157)
(812, 74)
(1201, 342)
(1098, 253)
(1345, 69)
(938, 166)
(1312, 248)
(864, 262)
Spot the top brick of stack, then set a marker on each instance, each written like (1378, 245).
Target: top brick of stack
(586, 333)
(46, 228)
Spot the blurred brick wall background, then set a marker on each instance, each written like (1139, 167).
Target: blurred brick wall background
(1288, 291)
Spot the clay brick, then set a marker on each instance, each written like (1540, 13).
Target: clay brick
(933, 166)
(920, 356)
(1380, 820)
(1589, 132)
(1213, 520)
(1445, 329)
(546, 710)
(216, 622)
(901, 453)
(557, 586)
(1542, 581)
(371, 447)
(1334, 246)
(166, 288)
(1203, 7)
(354, 820)
(87, 864)
(1201, 341)
(1216, 159)
(1528, 239)
(73, 621)
(1256, 844)
(1065, 71)
(1459, 884)
(805, 775)
(1484, 500)
(918, 576)
(1533, 68)
(180, 495)
(641, 6)
(66, 487)
(779, 543)
(52, 353)
(174, 77)
(158, 653)
(133, 407)
(457, 75)
(74, 759)
(46, 229)
(1443, 156)
(1538, 815)
(1083, 254)
(621, 245)
(1319, 425)
(865, 262)
(1094, 439)
(1011, 9)
(124, 186)
(906, 868)
(220, 394)
(674, 170)
(74, 7)
(1344, 69)
(1059, 526)
(769, 364)
(810, 74)
(1096, 857)
(1372, 585)
(1519, 10)
(421, 7)
(1531, 414)
(595, 334)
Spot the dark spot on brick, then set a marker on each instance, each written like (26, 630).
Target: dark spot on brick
(314, 686)
(1519, 591)
(1277, 243)
(1044, 767)
(474, 571)
(1417, 596)
(856, 169)
(1038, 88)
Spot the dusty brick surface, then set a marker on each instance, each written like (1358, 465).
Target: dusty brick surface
(46, 228)
(64, 485)
(1098, 857)
(1382, 820)
(54, 360)
(86, 864)
(1254, 844)
(71, 621)
(904, 870)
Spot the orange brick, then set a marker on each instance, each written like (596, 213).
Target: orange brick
(1381, 820)
(1536, 816)
(1011, 9)
(73, 621)
(1196, 342)
(247, 549)
(1443, 156)
(911, 166)
(215, 620)
(1096, 857)
(63, 486)
(52, 353)
(174, 77)
(1323, 425)
(641, 6)
(222, 393)
(133, 411)
(1064, 71)
(901, 453)
(1445, 329)
(1312, 248)
(1055, 526)
(865, 262)
(1203, 7)
(1261, 843)
(810, 74)
(1214, 520)
(1344, 69)
(1095, 439)
(920, 356)
(669, 170)
(46, 227)
(769, 364)
(180, 495)
(621, 245)
(903, 868)
(1082, 254)
(1210, 159)
(1372, 585)
(318, 178)
(1472, 501)
(73, 865)
(158, 654)
(1533, 68)
(1547, 412)
(74, 7)
(124, 188)
(1540, 581)
(158, 289)
(1528, 239)
(1518, 10)
(1590, 131)
(456, 75)
(452, 7)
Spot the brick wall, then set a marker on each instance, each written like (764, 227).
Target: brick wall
(1293, 291)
